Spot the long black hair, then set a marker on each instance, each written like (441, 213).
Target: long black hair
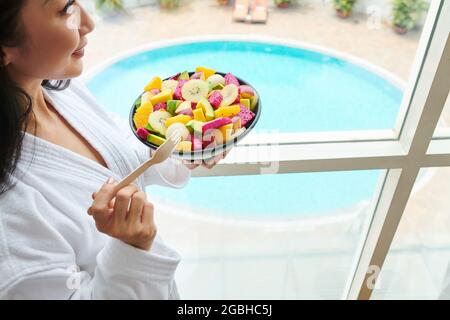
(16, 106)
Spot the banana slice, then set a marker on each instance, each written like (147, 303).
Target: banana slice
(194, 90)
(215, 80)
(146, 97)
(237, 133)
(157, 120)
(229, 93)
(169, 84)
(179, 129)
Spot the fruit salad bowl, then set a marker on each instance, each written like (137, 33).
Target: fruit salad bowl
(212, 111)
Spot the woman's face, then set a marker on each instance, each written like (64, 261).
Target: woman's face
(54, 39)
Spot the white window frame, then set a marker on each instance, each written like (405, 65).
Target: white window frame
(402, 151)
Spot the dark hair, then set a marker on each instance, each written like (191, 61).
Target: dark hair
(16, 105)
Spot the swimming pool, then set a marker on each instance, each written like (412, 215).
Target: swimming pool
(302, 91)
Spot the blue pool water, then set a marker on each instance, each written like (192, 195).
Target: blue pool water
(300, 90)
(283, 195)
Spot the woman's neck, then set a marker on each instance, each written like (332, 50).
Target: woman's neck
(42, 112)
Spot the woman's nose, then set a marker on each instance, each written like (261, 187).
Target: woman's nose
(86, 22)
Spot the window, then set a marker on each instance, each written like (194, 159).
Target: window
(402, 157)
(421, 243)
(267, 236)
(329, 149)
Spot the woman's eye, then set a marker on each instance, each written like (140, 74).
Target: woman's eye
(68, 5)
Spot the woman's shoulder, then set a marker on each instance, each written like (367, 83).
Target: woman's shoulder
(76, 93)
(17, 195)
(81, 90)
(79, 103)
(79, 86)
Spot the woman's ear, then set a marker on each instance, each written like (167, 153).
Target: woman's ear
(5, 56)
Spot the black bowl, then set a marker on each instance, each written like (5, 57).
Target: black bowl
(208, 153)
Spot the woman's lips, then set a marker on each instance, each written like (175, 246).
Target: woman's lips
(79, 53)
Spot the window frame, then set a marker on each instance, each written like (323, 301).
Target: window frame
(403, 151)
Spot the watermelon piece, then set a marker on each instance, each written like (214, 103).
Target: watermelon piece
(245, 115)
(215, 99)
(230, 79)
(175, 77)
(216, 123)
(142, 133)
(196, 142)
(238, 98)
(177, 93)
(159, 106)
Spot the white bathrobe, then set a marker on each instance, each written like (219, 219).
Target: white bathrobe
(49, 245)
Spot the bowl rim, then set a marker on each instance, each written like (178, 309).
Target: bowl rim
(211, 152)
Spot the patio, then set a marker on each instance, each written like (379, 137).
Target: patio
(223, 259)
(315, 24)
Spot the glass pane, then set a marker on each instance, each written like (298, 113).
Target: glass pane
(443, 127)
(266, 236)
(324, 72)
(417, 264)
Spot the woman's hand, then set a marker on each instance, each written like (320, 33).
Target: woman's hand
(127, 215)
(209, 164)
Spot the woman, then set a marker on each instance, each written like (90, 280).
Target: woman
(64, 233)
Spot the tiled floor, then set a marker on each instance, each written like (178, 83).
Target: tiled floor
(234, 261)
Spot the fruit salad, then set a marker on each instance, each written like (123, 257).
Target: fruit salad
(205, 108)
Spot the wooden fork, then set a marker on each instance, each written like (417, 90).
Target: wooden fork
(162, 153)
